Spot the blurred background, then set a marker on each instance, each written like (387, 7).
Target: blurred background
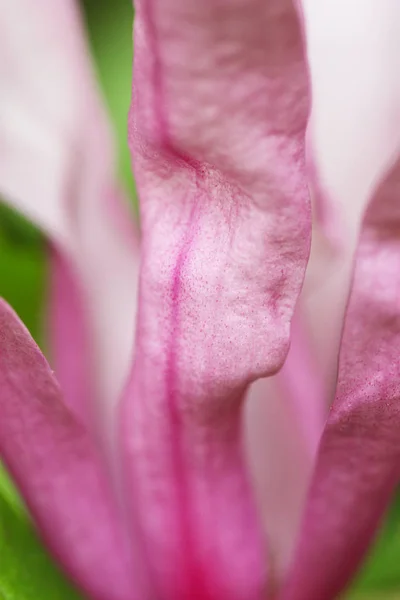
(26, 572)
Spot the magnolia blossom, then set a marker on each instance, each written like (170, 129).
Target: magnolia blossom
(188, 450)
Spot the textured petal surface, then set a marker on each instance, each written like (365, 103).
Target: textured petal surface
(56, 166)
(57, 470)
(220, 104)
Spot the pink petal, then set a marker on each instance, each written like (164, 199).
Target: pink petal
(57, 470)
(217, 135)
(94, 295)
(353, 138)
(357, 127)
(348, 128)
(56, 166)
(68, 336)
(285, 416)
(359, 456)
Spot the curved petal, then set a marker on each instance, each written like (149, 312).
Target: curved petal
(285, 416)
(68, 336)
(45, 101)
(56, 166)
(55, 466)
(217, 134)
(93, 294)
(353, 139)
(359, 458)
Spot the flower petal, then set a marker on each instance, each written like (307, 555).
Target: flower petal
(285, 415)
(353, 139)
(351, 124)
(68, 336)
(56, 166)
(359, 456)
(217, 128)
(100, 275)
(44, 103)
(56, 467)
(358, 459)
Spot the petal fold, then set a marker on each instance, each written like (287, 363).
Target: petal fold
(220, 104)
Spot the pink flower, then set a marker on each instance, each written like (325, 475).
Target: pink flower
(175, 462)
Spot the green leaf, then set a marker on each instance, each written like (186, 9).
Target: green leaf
(22, 268)
(374, 596)
(379, 577)
(26, 571)
(9, 493)
(110, 33)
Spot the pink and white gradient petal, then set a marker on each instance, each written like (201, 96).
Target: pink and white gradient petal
(356, 137)
(57, 167)
(220, 105)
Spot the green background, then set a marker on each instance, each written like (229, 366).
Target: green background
(26, 572)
